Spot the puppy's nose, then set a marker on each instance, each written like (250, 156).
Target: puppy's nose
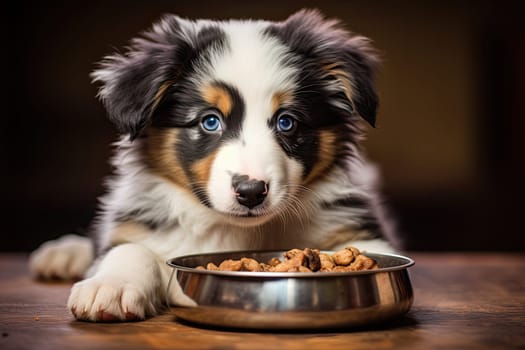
(249, 192)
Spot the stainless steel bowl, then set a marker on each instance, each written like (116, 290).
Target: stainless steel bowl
(291, 300)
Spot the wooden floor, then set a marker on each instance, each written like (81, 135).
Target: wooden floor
(462, 301)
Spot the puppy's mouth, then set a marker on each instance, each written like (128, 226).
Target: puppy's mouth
(250, 213)
(248, 221)
(249, 217)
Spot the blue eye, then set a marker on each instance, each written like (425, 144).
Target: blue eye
(285, 123)
(211, 123)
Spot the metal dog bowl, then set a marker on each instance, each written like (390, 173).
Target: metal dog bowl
(291, 300)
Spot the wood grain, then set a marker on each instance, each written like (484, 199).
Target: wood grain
(462, 300)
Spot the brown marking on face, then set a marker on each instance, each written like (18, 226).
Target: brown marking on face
(279, 99)
(160, 94)
(219, 97)
(160, 153)
(335, 69)
(326, 155)
(128, 231)
(202, 168)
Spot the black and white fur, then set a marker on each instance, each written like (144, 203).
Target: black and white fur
(236, 135)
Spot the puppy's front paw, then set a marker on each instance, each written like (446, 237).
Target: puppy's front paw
(68, 257)
(110, 299)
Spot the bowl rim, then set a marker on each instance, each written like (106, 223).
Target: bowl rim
(406, 263)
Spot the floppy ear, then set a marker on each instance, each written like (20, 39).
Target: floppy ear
(134, 83)
(131, 82)
(348, 61)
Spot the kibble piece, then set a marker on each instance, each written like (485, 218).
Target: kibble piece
(293, 253)
(295, 257)
(230, 265)
(266, 267)
(312, 258)
(249, 264)
(327, 263)
(274, 262)
(283, 267)
(353, 250)
(362, 262)
(212, 266)
(346, 256)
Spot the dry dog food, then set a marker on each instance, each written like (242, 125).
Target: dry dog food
(306, 260)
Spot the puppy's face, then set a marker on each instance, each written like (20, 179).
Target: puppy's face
(245, 115)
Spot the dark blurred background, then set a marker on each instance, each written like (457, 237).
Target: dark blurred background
(450, 141)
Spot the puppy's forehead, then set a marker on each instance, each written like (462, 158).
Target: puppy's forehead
(255, 63)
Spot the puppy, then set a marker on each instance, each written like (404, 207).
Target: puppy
(236, 135)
